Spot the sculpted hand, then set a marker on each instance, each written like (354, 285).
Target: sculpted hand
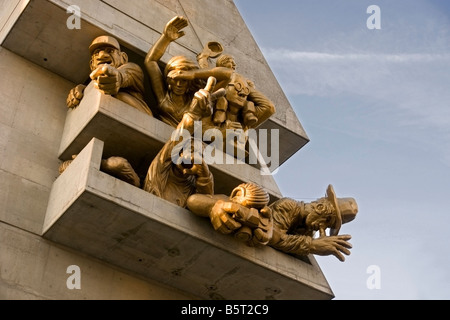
(220, 216)
(198, 169)
(201, 106)
(75, 96)
(107, 79)
(174, 26)
(334, 245)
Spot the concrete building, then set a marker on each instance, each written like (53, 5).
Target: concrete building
(87, 235)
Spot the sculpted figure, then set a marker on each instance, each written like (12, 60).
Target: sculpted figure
(113, 75)
(182, 78)
(243, 107)
(179, 169)
(286, 224)
(176, 181)
(115, 166)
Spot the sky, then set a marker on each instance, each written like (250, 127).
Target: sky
(374, 103)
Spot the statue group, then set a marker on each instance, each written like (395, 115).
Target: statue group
(218, 97)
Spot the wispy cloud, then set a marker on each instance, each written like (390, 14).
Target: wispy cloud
(282, 54)
(416, 85)
(321, 73)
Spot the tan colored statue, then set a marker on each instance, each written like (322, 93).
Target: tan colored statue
(115, 166)
(182, 78)
(179, 169)
(176, 181)
(243, 102)
(243, 107)
(286, 224)
(113, 75)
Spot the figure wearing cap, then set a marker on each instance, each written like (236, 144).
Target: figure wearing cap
(175, 87)
(286, 224)
(113, 74)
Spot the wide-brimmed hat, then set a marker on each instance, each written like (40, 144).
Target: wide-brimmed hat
(103, 41)
(346, 210)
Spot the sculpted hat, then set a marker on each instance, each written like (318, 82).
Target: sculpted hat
(104, 41)
(346, 210)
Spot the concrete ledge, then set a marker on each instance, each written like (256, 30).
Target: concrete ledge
(131, 134)
(116, 222)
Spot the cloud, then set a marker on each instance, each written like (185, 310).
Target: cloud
(321, 73)
(410, 88)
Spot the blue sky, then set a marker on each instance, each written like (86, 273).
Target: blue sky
(375, 104)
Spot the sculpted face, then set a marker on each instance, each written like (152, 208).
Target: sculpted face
(237, 91)
(106, 55)
(226, 61)
(229, 63)
(189, 157)
(178, 87)
(321, 215)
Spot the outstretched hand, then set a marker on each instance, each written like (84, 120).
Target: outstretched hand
(107, 79)
(333, 245)
(198, 169)
(174, 26)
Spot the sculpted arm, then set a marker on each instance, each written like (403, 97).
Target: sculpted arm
(264, 108)
(221, 74)
(171, 32)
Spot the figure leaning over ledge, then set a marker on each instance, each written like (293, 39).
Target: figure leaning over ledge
(179, 169)
(286, 224)
(113, 75)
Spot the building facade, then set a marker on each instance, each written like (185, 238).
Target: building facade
(84, 234)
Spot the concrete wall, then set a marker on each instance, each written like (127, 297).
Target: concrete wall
(33, 111)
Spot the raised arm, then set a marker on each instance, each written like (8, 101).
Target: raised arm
(172, 32)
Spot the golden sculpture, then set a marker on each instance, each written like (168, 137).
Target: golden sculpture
(113, 75)
(118, 167)
(242, 108)
(286, 224)
(243, 105)
(175, 182)
(182, 78)
(179, 169)
(219, 97)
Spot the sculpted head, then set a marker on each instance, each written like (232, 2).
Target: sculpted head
(175, 64)
(330, 212)
(106, 50)
(227, 61)
(250, 195)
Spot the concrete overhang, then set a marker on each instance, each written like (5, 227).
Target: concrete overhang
(101, 216)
